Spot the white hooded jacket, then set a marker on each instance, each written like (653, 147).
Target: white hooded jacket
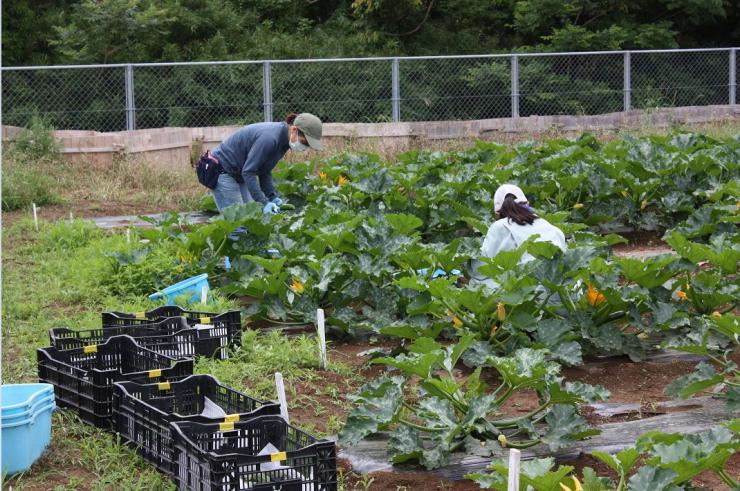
(507, 235)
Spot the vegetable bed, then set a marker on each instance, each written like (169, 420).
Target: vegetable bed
(453, 370)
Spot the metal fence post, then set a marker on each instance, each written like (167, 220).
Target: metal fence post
(267, 90)
(733, 75)
(395, 90)
(627, 89)
(514, 86)
(130, 101)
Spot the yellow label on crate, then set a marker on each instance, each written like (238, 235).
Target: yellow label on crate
(205, 320)
(141, 315)
(278, 457)
(155, 373)
(231, 418)
(227, 426)
(93, 348)
(163, 386)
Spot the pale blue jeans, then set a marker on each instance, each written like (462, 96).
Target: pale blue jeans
(229, 192)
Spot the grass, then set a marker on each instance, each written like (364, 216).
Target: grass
(51, 180)
(61, 276)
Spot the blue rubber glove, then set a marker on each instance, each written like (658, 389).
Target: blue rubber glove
(277, 200)
(270, 208)
(437, 272)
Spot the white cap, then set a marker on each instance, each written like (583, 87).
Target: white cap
(503, 190)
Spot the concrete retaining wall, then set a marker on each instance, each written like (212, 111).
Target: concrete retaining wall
(173, 146)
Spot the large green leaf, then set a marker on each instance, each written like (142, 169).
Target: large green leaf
(414, 364)
(702, 378)
(526, 368)
(648, 478)
(376, 405)
(565, 426)
(404, 224)
(648, 273)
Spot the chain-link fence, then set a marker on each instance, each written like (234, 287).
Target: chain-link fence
(119, 97)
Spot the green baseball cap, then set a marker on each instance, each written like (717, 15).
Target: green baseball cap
(310, 126)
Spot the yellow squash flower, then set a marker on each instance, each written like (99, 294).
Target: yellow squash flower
(501, 311)
(644, 204)
(502, 440)
(297, 286)
(455, 319)
(576, 485)
(323, 176)
(593, 296)
(681, 294)
(342, 181)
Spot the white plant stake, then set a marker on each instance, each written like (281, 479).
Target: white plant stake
(71, 218)
(35, 217)
(321, 327)
(128, 235)
(204, 295)
(514, 458)
(280, 386)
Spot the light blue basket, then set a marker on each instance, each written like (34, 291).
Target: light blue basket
(193, 286)
(25, 423)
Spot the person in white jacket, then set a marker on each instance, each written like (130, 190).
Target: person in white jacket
(516, 223)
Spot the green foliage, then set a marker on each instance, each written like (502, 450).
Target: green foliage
(25, 177)
(144, 270)
(25, 183)
(443, 413)
(37, 140)
(125, 31)
(658, 462)
(168, 31)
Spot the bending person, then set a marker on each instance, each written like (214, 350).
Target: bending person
(249, 155)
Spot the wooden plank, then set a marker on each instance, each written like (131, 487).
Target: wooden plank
(370, 455)
(134, 220)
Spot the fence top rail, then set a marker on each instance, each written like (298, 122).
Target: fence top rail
(376, 58)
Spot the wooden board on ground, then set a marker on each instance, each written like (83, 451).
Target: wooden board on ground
(701, 413)
(134, 220)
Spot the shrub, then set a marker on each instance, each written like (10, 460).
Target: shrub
(25, 182)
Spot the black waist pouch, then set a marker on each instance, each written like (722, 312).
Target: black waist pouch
(208, 170)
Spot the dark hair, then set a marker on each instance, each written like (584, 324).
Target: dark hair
(290, 119)
(512, 210)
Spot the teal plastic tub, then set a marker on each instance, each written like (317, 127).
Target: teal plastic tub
(25, 422)
(192, 287)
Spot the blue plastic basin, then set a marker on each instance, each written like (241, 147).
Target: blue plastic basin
(17, 399)
(192, 286)
(26, 432)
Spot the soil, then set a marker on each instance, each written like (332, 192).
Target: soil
(398, 481)
(334, 404)
(628, 381)
(641, 243)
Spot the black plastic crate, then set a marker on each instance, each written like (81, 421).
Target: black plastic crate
(171, 336)
(83, 377)
(226, 326)
(142, 413)
(224, 456)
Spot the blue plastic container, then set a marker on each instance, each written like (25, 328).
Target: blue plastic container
(25, 423)
(193, 286)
